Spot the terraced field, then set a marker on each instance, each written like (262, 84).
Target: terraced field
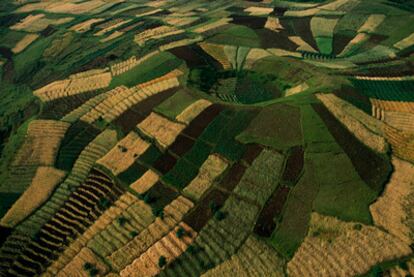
(206, 138)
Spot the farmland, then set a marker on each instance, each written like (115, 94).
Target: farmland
(206, 138)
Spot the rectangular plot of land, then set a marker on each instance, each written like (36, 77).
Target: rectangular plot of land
(197, 126)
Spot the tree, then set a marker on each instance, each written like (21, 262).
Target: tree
(87, 266)
(219, 215)
(162, 261)
(104, 203)
(133, 233)
(180, 232)
(213, 207)
(147, 198)
(159, 212)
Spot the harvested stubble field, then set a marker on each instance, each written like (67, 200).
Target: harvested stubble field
(206, 138)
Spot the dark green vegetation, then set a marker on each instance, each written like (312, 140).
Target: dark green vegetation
(150, 69)
(276, 126)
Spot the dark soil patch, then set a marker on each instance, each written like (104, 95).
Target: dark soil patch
(11, 19)
(203, 212)
(165, 163)
(135, 171)
(151, 155)
(294, 166)
(197, 126)
(394, 70)
(301, 27)
(208, 60)
(181, 174)
(6, 201)
(4, 233)
(373, 168)
(252, 151)
(8, 71)
(161, 13)
(270, 39)
(181, 145)
(160, 196)
(350, 95)
(129, 120)
(279, 11)
(145, 107)
(340, 41)
(189, 55)
(265, 223)
(98, 62)
(50, 30)
(6, 53)
(233, 177)
(249, 21)
(58, 108)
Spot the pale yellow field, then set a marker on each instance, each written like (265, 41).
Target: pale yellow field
(372, 23)
(273, 24)
(146, 181)
(39, 22)
(124, 154)
(298, 89)
(303, 45)
(210, 170)
(213, 25)
(405, 43)
(39, 191)
(322, 26)
(170, 246)
(400, 120)
(402, 143)
(257, 11)
(124, 66)
(85, 25)
(391, 210)
(163, 130)
(75, 84)
(178, 20)
(192, 111)
(217, 52)
(173, 214)
(68, 255)
(354, 122)
(254, 55)
(41, 143)
(26, 41)
(112, 26)
(360, 38)
(337, 248)
(156, 33)
(180, 43)
(396, 106)
(70, 7)
(254, 258)
(75, 267)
